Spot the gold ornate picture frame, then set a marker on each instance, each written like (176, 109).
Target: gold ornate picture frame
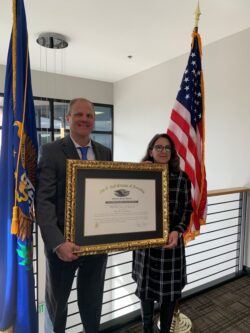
(114, 206)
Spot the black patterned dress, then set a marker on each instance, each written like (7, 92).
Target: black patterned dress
(160, 273)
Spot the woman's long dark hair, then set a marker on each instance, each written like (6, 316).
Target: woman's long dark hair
(174, 162)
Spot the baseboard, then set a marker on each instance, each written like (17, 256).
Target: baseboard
(120, 322)
(246, 270)
(211, 285)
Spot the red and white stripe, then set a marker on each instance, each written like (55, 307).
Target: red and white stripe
(189, 145)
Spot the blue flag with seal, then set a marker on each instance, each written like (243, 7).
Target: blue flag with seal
(18, 160)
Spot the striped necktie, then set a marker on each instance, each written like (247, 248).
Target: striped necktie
(84, 151)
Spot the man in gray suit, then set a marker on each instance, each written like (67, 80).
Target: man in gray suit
(62, 263)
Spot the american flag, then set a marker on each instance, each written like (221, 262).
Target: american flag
(186, 129)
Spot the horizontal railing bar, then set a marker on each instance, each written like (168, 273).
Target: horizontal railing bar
(115, 288)
(115, 254)
(225, 228)
(217, 264)
(222, 220)
(72, 326)
(211, 240)
(213, 193)
(212, 274)
(124, 307)
(122, 263)
(113, 277)
(115, 299)
(73, 314)
(214, 248)
(224, 211)
(219, 255)
(71, 302)
(224, 202)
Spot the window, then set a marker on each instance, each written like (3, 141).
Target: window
(51, 123)
(43, 121)
(103, 131)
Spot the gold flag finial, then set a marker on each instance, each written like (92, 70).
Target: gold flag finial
(197, 16)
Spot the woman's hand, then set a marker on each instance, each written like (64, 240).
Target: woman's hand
(172, 240)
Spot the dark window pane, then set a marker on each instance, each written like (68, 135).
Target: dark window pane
(61, 134)
(103, 120)
(43, 137)
(103, 123)
(60, 110)
(43, 114)
(105, 139)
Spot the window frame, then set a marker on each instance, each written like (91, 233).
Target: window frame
(52, 130)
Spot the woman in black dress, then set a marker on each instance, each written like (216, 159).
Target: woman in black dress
(160, 273)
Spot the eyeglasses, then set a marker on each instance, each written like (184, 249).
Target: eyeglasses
(160, 148)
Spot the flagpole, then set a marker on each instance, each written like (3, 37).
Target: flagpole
(14, 225)
(181, 323)
(197, 17)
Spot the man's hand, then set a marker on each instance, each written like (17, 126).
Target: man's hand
(65, 251)
(172, 240)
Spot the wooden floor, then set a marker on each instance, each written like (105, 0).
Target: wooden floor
(225, 309)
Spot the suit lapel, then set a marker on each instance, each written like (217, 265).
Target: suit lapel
(97, 152)
(69, 149)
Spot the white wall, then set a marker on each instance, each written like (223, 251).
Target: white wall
(143, 103)
(66, 87)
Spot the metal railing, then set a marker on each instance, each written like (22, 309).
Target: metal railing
(215, 256)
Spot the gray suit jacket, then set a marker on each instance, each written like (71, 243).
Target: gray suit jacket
(51, 186)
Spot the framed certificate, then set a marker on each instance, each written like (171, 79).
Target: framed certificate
(113, 206)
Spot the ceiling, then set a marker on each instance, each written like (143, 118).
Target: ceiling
(103, 33)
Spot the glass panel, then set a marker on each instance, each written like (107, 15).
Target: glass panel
(60, 135)
(105, 139)
(42, 109)
(103, 120)
(60, 110)
(43, 137)
(0, 139)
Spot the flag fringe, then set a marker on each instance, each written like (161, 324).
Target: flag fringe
(9, 330)
(190, 235)
(202, 221)
(14, 224)
(15, 216)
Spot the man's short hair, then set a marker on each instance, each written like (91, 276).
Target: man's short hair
(74, 100)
